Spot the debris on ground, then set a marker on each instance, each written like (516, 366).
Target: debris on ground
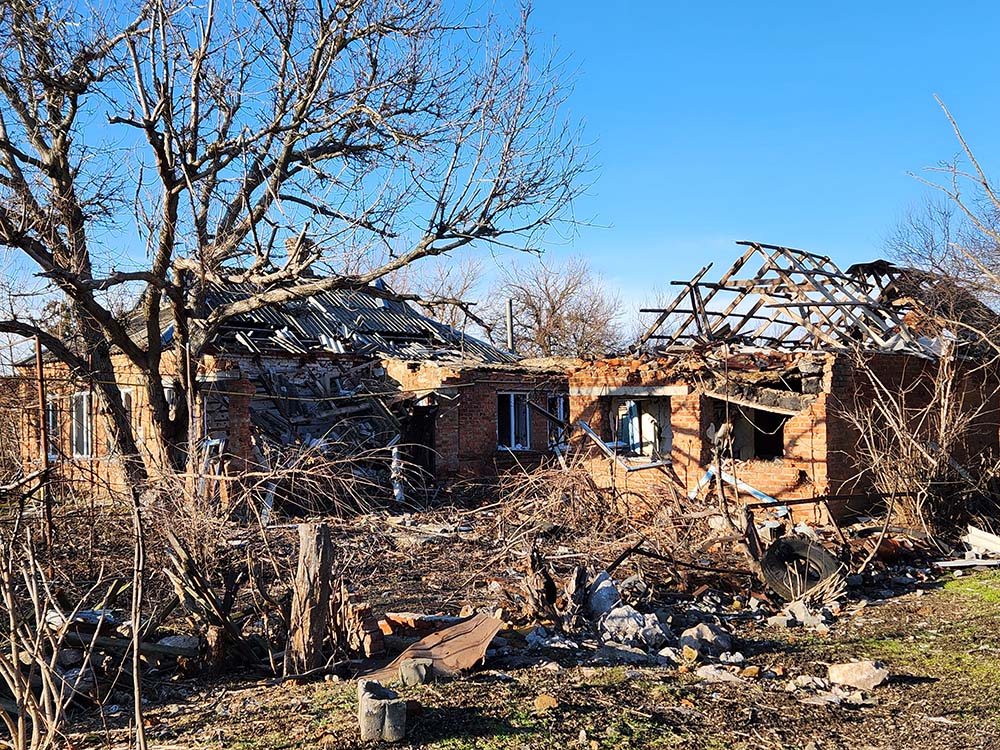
(864, 675)
(450, 651)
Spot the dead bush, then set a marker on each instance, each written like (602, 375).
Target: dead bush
(909, 440)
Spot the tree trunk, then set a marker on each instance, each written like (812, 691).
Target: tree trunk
(310, 600)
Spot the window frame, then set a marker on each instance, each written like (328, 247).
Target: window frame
(87, 427)
(512, 436)
(659, 445)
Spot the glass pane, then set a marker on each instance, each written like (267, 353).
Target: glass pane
(79, 425)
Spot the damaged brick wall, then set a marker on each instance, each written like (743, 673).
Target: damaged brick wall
(465, 423)
(820, 445)
(801, 472)
(911, 380)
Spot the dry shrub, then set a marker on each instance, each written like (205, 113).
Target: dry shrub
(331, 479)
(908, 438)
(591, 517)
(549, 496)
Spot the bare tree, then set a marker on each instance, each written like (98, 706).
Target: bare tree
(958, 236)
(560, 310)
(287, 147)
(447, 289)
(915, 442)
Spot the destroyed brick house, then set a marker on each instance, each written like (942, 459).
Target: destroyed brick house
(761, 367)
(765, 365)
(343, 372)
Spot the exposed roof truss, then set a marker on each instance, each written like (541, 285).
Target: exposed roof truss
(794, 300)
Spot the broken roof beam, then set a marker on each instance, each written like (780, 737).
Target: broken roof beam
(813, 304)
(847, 314)
(761, 246)
(733, 270)
(888, 320)
(667, 311)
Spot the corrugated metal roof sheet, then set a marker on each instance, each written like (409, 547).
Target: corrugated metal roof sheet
(343, 321)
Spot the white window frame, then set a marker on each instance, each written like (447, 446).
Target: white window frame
(88, 425)
(527, 422)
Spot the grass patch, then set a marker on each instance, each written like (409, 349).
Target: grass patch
(983, 588)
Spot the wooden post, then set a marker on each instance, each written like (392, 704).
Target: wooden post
(310, 600)
(43, 433)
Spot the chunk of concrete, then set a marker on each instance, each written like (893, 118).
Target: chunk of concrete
(706, 639)
(381, 713)
(713, 673)
(863, 675)
(625, 624)
(416, 671)
(603, 595)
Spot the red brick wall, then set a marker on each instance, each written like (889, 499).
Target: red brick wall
(101, 471)
(821, 445)
(910, 379)
(801, 473)
(465, 436)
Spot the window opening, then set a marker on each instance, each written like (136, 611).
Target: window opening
(513, 421)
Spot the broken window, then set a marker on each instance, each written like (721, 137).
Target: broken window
(558, 406)
(642, 427)
(82, 433)
(513, 421)
(52, 427)
(754, 433)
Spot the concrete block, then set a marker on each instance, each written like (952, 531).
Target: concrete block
(381, 713)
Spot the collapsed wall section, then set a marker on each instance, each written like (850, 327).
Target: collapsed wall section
(659, 420)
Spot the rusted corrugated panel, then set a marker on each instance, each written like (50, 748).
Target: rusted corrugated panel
(452, 650)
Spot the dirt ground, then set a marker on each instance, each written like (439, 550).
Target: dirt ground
(938, 639)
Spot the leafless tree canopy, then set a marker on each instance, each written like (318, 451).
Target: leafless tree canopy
(560, 310)
(166, 145)
(448, 289)
(956, 232)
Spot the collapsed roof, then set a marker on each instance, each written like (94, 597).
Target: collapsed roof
(803, 301)
(345, 321)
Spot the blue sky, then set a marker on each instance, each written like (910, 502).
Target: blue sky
(789, 123)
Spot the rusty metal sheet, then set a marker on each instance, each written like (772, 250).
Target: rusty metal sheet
(452, 650)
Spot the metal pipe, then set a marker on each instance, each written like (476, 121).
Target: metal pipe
(510, 326)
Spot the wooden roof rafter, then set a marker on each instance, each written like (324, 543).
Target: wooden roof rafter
(794, 300)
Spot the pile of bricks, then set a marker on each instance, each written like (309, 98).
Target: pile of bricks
(354, 626)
